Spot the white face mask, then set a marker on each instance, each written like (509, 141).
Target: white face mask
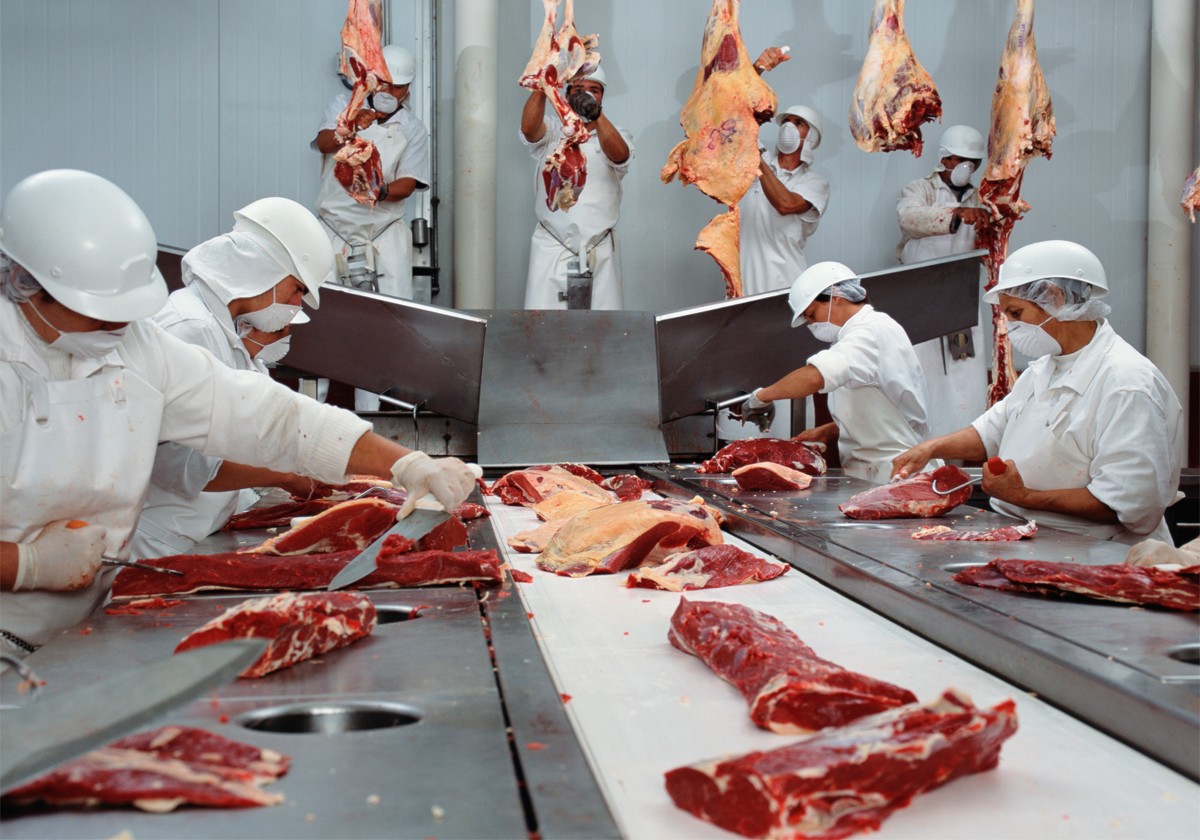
(825, 331)
(92, 345)
(385, 102)
(1033, 341)
(272, 318)
(789, 138)
(960, 176)
(274, 351)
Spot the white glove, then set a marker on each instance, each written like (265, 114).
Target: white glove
(65, 556)
(1156, 553)
(448, 480)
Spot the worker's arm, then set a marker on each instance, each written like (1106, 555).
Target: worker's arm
(611, 142)
(1009, 487)
(796, 385)
(965, 444)
(400, 189)
(232, 476)
(784, 201)
(533, 116)
(329, 140)
(770, 58)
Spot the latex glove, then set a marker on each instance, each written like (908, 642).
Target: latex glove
(448, 480)
(1157, 553)
(64, 557)
(585, 105)
(756, 411)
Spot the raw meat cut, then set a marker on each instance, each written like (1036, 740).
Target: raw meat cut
(840, 781)
(536, 484)
(628, 488)
(242, 571)
(728, 103)
(706, 568)
(536, 539)
(355, 525)
(1007, 532)
(789, 688)
(1191, 194)
(358, 166)
(141, 606)
(566, 504)
(298, 627)
(912, 497)
(894, 94)
(788, 453)
(1178, 590)
(558, 57)
(342, 492)
(1022, 126)
(160, 770)
(627, 534)
(766, 475)
(276, 516)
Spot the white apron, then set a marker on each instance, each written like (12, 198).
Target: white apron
(871, 432)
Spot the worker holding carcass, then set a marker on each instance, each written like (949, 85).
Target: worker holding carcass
(577, 246)
(874, 382)
(242, 292)
(1091, 435)
(89, 386)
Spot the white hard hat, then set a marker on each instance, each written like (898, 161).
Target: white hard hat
(961, 141)
(1054, 258)
(297, 230)
(86, 242)
(401, 65)
(808, 115)
(815, 279)
(596, 75)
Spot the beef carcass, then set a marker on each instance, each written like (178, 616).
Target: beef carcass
(297, 627)
(1004, 533)
(358, 167)
(558, 57)
(1022, 126)
(788, 453)
(1190, 200)
(789, 688)
(894, 94)
(536, 484)
(766, 475)
(912, 497)
(355, 525)
(728, 103)
(706, 568)
(848, 779)
(621, 536)
(160, 770)
(1178, 590)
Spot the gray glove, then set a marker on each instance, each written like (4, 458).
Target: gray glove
(585, 105)
(756, 411)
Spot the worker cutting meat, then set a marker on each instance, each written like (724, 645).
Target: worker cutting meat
(875, 386)
(577, 246)
(1092, 434)
(243, 290)
(89, 387)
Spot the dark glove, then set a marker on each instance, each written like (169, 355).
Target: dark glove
(585, 105)
(755, 411)
(383, 192)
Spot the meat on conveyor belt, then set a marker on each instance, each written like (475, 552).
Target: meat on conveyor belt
(706, 568)
(789, 453)
(1001, 534)
(912, 497)
(1176, 589)
(768, 476)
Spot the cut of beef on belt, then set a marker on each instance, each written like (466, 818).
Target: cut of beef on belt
(788, 453)
(789, 688)
(1178, 590)
(281, 515)
(1006, 532)
(536, 484)
(848, 779)
(894, 94)
(355, 525)
(358, 167)
(766, 475)
(160, 770)
(912, 497)
(297, 627)
(706, 568)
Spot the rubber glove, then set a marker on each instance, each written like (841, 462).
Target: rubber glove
(448, 480)
(585, 105)
(756, 411)
(65, 556)
(1157, 553)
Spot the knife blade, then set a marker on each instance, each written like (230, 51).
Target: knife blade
(110, 561)
(414, 526)
(64, 725)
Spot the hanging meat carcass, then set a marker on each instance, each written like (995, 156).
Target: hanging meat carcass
(1191, 194)
(894, 94)
(1022, 127)
(558, 57)
(358, 166)
(721, 118)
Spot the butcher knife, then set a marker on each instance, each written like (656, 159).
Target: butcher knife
(414, 526)
(65, 725)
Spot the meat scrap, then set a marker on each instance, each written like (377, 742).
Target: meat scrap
(847, 779)
(787, 453)
(1190, 201)
(160, 770)
(706, 568)
(141, 606)
(358, 167)
(766, 475)
(297, 627)
(1007, 532)
(536, 484)
(789, 688)
(894, 94)
(912, 497)
(1177, 590)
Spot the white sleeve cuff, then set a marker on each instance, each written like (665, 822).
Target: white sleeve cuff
(833, 368)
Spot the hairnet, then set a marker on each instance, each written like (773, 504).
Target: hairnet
(237, 265)
(851, 290)
(16, 284)
(1062, 298)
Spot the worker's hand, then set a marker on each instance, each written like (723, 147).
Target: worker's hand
(585, 105)
(64, 557)
(1007, 486)
(771, 58)
(364, 118)
(973, 216)
(449, 480)
(1157, 553)
(303, 488)
(756, 411)
(383, 192)
(909, 463)
(825, 434)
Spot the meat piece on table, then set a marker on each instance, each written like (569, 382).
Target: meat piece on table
(355, 525)
(627, 534)
(536, 539)
(788, 453)
(706, 568)
(912, 497)
(276, 516)
(358, 166)
(536, 484)
(848, 779)
(160, 770)
(789, 688)
(1177, 590)
(894, 94)
(1190, 200)
(141, 606)
(628, 488)
(297, 627)
(1004, 533)
(565, 505)
(766, 475)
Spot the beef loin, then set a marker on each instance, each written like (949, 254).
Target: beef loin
(769, 476)
(706, 568)
(912, 497)
(788, 453)
(1178, 590)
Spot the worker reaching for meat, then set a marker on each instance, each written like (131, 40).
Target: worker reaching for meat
(242, 292)
(875, 386)
(1092, 434)
(89, 386)
(577, 246)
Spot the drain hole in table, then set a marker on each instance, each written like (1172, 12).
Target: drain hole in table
(1189, 652)
(391, 614)
(334, 718)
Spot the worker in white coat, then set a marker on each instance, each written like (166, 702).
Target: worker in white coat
(87, 391)
(582, 238)
(242, 292)
(875, 386)
(1092, 435)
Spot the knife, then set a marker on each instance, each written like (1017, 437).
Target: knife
(134, 565)
(63, 726)
(414, 526)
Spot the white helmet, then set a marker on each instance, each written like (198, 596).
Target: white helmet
(808, 115)
(596, 75)
(86, 242)
(815, 279)
(401, 65)
(1054, 258)
(961, 141)
(298, 232)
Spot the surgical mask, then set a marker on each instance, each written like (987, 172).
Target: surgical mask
(1033, 341)
(960, 176)
(384, 102)
(825, 331)
(94, 344)
(274, 351)
(789, 138)
(272, 318)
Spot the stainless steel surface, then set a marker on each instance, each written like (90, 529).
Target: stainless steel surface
(414, 526)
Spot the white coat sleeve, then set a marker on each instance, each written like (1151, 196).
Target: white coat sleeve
(622, 168)
(991, 424)
(182, 470)
(917, 215)
(815, 190)
(853, 360)
(414, 161)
